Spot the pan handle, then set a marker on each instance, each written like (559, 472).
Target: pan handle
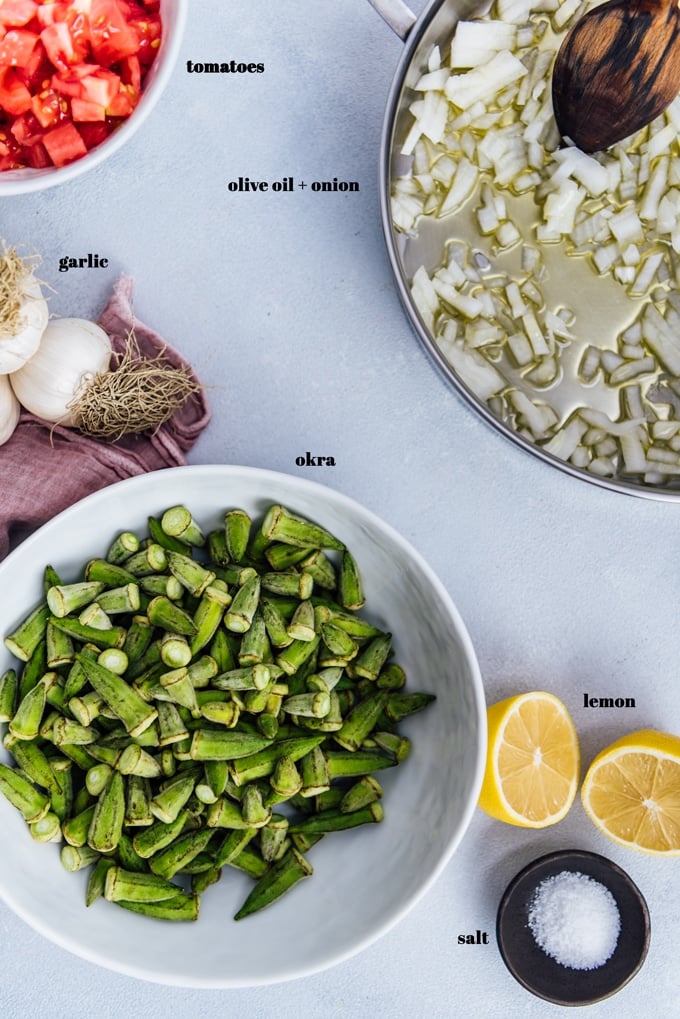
(398, 16)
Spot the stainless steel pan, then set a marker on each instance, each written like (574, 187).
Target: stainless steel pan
(435, 26)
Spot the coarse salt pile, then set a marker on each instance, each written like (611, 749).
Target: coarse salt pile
(575, 920)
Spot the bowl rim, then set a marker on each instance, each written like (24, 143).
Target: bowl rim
(266, 476)
(29, 180)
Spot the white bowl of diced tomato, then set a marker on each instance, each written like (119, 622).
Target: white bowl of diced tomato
(77, 79)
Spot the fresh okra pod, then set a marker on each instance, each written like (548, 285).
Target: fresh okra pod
(183, 685)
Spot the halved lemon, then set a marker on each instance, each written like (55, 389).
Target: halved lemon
(532, 763)
(632, 792)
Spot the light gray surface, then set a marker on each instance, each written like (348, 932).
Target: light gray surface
(285, 303)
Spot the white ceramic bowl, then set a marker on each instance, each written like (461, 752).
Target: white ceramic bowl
(364, 880)
(173, 15)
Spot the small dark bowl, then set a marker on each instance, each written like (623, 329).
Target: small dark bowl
(538, 972)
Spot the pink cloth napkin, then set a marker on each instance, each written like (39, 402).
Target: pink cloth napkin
(45, 468)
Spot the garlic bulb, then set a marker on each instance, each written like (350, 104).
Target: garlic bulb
(9, 409)
(71, 352)
(20, 338)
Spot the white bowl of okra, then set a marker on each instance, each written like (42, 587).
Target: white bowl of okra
(243, 727)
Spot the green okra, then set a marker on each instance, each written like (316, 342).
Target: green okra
(170, 861)
(76, 827)
(314, 773)
(221, 651)
(66, 598)
(329, 799)
(171, 798)
(25, 639)
(61, 795)
(262, 763)
(171, 726)
(138, 638)
(137, 802)
(280, 877)
(109, 816)
(179, 688)
(336, 820)
(339, 643)
(373, 657)
(255, 647)
(109, 574)
(208, 617)
(250, 862)
(75, 858)
(34, 668)
(180, 908)
(177, 522)
(236, 533)
(65, 730)
(166, 541)
(191, 575)
(233, 844)
(225, 744)
(76, 678)
(275, 624)
(274, 837)
(46, 829)
(134, 760)
(217, 548)
(281, 557)
(321, 569)
(34, 763)
(168, 616)
(281, 525)
(360, 795)
(361, 720)
(78, 755)
(301, 626)
(221, 712)
(268, 723)
(224, 813)
(114, 659)
(201, 671)
(253, 810)
(125, 545)
(97, 879)
(392, 743)
(50, 578)
(86, 708)
(236, 574)
(297, 585)
(159, 835)
(94, 615)
(9, 689)
(127, 857)
(392, 677)
(350, 764)
(135, 886)
(134, 712)
(200, 882)
(400, 705)
(120, 599)
(285, 779)
(59, 647)
(239, 616)
(297, 654)
(115, 637)
(303, 843)
(25, 724)
(313, 704)
(152, 559)
(248, 677)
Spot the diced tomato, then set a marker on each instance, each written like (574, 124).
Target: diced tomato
(70, 72)
(111, 36)
(99, 88)
(16, 47)
(49, 108)
(17, 12)
(84, 110)
(64, 144)
(14, 96)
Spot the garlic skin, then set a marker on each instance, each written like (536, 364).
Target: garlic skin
(71, 352)
(17, 348)
(9, 410)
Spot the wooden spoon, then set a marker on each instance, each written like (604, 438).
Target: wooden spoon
(617, 69)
